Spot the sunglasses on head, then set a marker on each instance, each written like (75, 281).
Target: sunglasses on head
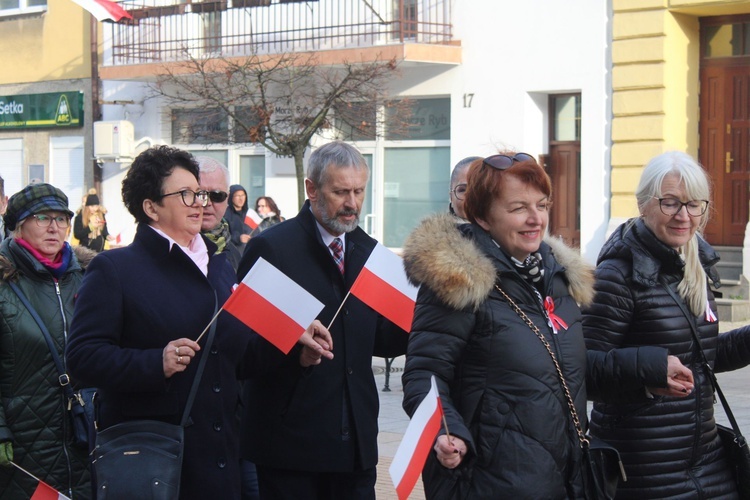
(217, 196)
(503, 162)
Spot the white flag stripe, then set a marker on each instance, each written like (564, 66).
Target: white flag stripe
(390, 268)
(282, 292)
(413, 433)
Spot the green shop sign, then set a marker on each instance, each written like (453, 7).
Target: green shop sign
(56, 109)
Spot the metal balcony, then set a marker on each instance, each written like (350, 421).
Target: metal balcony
(165, 31)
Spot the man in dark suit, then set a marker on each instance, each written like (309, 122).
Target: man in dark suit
(312, 431)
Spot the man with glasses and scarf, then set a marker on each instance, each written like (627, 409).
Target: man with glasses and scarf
(214, 178)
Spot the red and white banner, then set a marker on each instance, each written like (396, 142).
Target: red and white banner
(46, 492)
(104, 10)
(252, 218)
(382, 285)
(273, 305)
(418, 440)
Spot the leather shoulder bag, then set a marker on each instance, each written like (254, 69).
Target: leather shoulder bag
(143, 458)
(735, 444)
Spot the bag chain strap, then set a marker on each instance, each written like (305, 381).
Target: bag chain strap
(571, 406)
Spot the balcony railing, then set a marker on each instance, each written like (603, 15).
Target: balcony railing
(163, 30)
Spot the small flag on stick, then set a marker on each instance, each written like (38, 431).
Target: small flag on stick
(418, 440)
(43, 490)
(382, 285)
(252, 218)
(273, 305)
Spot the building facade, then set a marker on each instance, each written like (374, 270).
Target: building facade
(46, 96)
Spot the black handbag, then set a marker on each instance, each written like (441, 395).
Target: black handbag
(735, 444)
(601, 467)
(81, 406)
(143, 458)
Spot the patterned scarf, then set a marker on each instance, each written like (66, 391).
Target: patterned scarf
(531, 269)
(219, 235)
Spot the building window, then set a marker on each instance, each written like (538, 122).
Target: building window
(429, 119)
(567, 117)
(190, 126)
(14, 7)
(356, 122)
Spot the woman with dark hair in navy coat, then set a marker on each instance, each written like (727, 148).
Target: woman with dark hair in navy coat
(140, 306)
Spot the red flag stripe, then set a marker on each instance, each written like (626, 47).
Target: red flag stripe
(44, 491)
(262, 316)
(384, 298)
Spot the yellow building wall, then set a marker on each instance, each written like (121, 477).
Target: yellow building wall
(655, 85)
(45, 47)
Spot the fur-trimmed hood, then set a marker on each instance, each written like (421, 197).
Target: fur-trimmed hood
(438, 255)
(8, 269)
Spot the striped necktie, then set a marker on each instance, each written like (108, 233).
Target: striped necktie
(338, 253)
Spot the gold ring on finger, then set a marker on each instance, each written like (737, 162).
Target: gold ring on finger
(179, 360)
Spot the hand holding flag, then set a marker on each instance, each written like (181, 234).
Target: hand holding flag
(43, 490)
(314, 350)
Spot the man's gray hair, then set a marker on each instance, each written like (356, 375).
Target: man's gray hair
(334, 154)
(208, 164)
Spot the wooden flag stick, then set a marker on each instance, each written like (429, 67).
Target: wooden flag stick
(25, 471)
(338, 310)
(208, 325)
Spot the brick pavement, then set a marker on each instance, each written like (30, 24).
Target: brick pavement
(393, 419)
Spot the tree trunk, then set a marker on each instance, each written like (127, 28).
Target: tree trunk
(299, 168)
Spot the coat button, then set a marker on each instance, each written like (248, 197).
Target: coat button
(214, 350)
(217, 426)
(349, 370)
(216, 387)
(503, 407)
(221, 462)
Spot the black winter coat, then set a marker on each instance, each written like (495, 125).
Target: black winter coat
(669, 446)
(323, 418)
(132, 302)
(33, 414)
(498, 384)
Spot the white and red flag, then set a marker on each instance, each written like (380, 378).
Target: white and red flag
(44, 491)
(382, 285)
(104, 10)
(273, 305)
(252, 218)
(418, 440)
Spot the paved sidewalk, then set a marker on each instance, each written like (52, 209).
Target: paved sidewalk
(393, 419)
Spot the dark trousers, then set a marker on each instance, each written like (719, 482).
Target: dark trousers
(282, 484)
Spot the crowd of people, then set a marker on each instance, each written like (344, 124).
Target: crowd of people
(517, 330)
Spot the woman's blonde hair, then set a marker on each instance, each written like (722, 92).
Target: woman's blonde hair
(692, 287)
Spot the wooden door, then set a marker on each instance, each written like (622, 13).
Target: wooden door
(724, 149)
(563, 166)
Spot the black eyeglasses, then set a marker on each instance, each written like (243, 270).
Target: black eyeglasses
(217, 196)
(189, 197)
(43, 220)
(459, 191)
(503, 162)
(672, 206)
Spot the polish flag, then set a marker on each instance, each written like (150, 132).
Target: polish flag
(418, 440)
(104, 10)
(46, 492)
(382, 285)
(252, 218)
(273, 305)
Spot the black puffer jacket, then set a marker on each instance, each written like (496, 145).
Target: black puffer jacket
(669, 445)
(498, 385)
(33, 412)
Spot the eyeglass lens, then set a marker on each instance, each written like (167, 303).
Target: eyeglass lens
(459, 191)
(189, 197)
(45, 220)
(217, 196)
(672, 206)
(502, 162)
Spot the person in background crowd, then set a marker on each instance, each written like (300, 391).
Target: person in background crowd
(3, 207)
(312, 433)
(511, 430)
(90, 225)
(35, 427)
(269, 211)
(652, 288)
(458, 186)
(214, 179)
(235, 216)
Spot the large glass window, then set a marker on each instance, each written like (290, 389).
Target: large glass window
(10, 7)
(253, 177)
(415, 183)
(430, 119)
(727, 40)
(192, 126)
(567, 120)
